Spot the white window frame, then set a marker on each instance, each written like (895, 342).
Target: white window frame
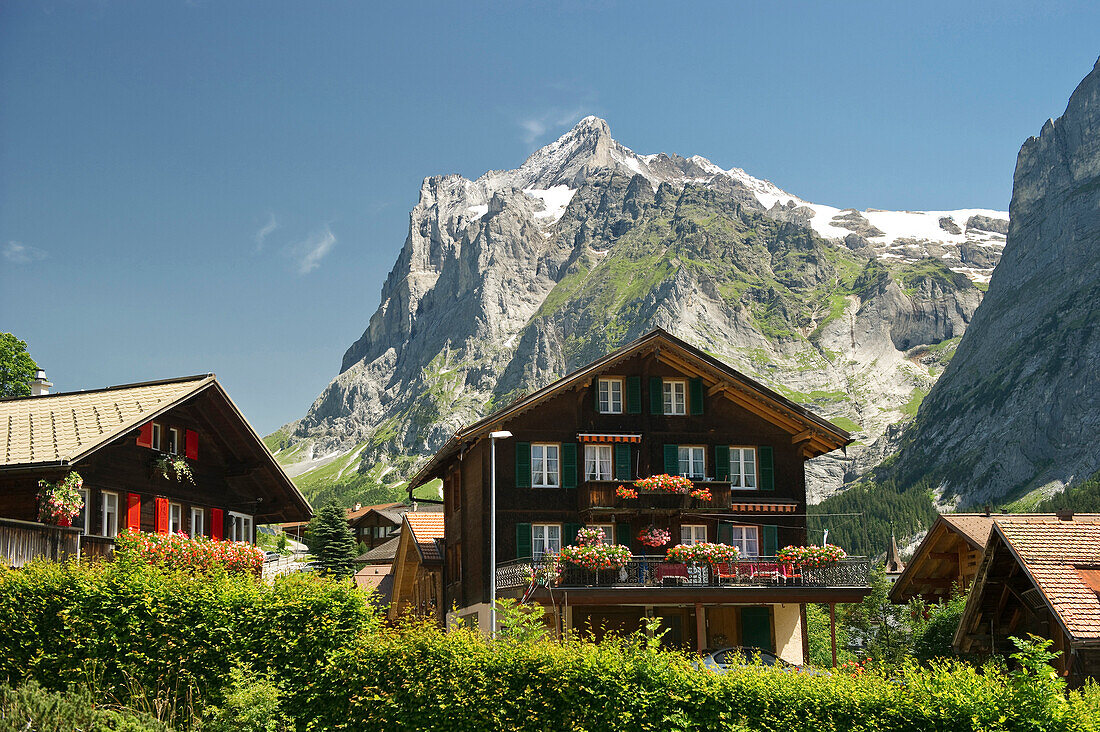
(611, 396)
(198, 518)
(696, 461)
(695, 534)
(598, 462)
(608, 532)
(173, 441)
(175, 517)
(155, 436)
(738, 464)
(543, 477)
(547, 543)
(109, 517)
(747, 540)
(86, 496)
(675, 396)
(242, 530)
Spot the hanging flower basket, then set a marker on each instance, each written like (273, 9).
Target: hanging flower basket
(810, 557)
(626, 493)
(173, 466)
(703, 553)
(654, 537)
(664, 483)
(60, 502)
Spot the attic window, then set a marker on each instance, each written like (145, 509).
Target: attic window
(156, 436)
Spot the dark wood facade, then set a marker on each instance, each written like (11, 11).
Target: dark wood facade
(719, 414)
(236, 482)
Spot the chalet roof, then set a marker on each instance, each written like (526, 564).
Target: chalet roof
(376, 578)
(1061, 556)
(819, 434)
(384, 552)
(382, 508)
(425, 528)
(974, 527)
(61, 428)
(58, 430)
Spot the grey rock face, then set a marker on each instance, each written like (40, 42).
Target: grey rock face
(1018, 408)
(507, 282)
(948, 224)
(854, 222)
(985, 223)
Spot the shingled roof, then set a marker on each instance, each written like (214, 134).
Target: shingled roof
(426, 528)
(62, 428)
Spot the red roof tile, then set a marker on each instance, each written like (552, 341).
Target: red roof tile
(426, 528)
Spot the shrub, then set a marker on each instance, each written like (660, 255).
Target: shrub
(179, 552)
(31, 708)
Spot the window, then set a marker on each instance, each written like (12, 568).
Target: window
(597, 462)
(675, 397)
(155, 439)
(173, 441)
(611, 396)
(240, 527)
(608, 532)
(743, 468)
(544, 466)
(80, 521)
(545, 539)
(109, 525)
(198, 522)
(692, 462)
(175, 518)
(747, 540)
(693, 534)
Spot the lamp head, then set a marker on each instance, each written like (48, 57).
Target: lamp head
(500, 435)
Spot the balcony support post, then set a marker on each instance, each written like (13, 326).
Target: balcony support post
(832, 630)
(700, 627)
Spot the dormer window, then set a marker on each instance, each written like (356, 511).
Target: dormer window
(610, 396)
(675, 396)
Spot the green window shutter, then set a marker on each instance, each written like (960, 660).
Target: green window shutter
(721, 462)
(622, 461)
(656, 395)
(696, 396)
(725, 533)
(767, 468)
(523, 466)
(634, 395)
(622, 534)
(672, 459)
(770, 539)
(569, 533)
(568, 465)
(523, 541)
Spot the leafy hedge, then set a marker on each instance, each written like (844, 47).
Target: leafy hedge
(118, 625)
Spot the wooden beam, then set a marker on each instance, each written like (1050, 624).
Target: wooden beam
(946, 556)
(700, 627)
(716, 388)
(802, 436)
(832, 630)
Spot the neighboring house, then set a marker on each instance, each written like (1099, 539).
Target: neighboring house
(948, 556)
(418, 567)
(114, 438)
(656, 405)
(383, 554)
(375, 525)
(379, 580)
(1040, 575)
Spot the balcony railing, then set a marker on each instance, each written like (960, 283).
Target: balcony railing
(22, 541)
(654, 571)
(601, 494)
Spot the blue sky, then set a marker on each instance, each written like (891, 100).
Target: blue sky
(223, 186)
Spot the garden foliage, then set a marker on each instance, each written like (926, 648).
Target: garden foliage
(180, 552)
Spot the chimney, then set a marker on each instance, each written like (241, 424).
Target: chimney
(358, 506)
(1066, 514)
(39, 386)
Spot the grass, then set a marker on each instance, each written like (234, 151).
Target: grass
(909, 409)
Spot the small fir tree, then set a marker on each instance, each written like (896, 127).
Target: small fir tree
(332, 542)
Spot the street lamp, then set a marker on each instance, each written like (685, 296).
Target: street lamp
(493, 437)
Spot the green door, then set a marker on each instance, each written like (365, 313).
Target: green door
(756, 628)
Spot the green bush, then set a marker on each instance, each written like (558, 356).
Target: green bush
(121, 626)
(31, 708)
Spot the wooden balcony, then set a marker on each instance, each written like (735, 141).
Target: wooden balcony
(600, 495)
(22, 541)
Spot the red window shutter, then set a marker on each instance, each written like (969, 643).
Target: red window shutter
(145, 438)
(162, 515)
(133, 511)
(216, 524)
(192, 445)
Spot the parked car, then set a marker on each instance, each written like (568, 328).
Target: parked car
(271, 556)
(724, 659)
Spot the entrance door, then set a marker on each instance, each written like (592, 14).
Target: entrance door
(756, 628)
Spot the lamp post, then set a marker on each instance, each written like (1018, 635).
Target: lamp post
(493, 437)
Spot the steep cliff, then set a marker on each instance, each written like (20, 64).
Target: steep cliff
(511, 280)
(1016, 415)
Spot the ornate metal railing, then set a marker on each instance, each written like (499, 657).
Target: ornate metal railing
(654, 571)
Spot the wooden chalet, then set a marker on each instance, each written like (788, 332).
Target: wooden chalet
(418, 567)
(114, 438)
(656, 405)
(947, 557)
(1040, 575)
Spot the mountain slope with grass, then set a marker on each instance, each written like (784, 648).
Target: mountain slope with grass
(508, 282)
